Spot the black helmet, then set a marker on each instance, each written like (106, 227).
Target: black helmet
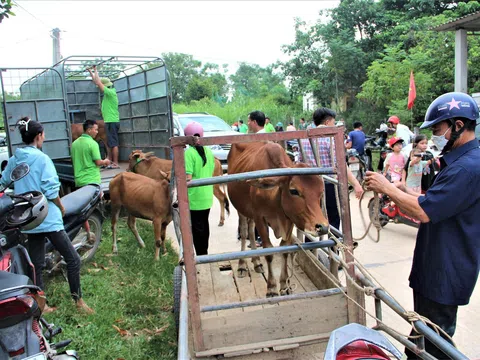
(30, 212)
(450, 106)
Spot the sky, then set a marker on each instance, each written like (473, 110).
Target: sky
(214, 31)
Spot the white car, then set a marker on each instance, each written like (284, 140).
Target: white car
(212, 126)
(3, 151)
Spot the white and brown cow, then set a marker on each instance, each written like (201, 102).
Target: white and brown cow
(278, 202)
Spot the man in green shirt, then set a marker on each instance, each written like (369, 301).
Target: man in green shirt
(268, 126)
(243, 127)
(86, 156)
(110, 114)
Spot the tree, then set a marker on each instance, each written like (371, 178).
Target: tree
(251, 80)
(182, 68)
(369, 47)
(199, 88)
(217, 79)
(6, 9)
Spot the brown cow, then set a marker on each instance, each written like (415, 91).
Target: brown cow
(144, 198)
(147, 164)
(77, 131)
(278, 202)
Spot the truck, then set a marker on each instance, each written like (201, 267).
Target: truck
(64, 94)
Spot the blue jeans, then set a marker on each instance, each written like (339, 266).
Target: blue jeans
(444, 316)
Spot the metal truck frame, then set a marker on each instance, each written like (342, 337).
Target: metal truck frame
(64, 94)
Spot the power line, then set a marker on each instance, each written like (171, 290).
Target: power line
(28, 12)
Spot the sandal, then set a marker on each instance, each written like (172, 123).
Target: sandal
(113, 166)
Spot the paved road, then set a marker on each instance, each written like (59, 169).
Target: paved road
(389, 261)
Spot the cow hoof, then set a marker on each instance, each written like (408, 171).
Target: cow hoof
(259, 269)
(241, 273)
(220, 223)
(271, 293)
(286, 291)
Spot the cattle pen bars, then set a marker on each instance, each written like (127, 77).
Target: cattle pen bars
(184, 235)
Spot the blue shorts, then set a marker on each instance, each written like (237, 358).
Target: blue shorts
(112, 134)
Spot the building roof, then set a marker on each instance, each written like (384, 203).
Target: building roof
(470, 22)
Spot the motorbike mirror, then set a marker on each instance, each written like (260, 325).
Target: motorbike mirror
(20, 171)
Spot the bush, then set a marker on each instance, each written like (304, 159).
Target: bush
(240, 107)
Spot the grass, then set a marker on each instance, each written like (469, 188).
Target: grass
(132, 296)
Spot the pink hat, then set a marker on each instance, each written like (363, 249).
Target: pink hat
(193, 129)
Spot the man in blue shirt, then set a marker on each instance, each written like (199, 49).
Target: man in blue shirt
(356, 138)
(446, 260)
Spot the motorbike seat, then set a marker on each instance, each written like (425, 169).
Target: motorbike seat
(77, 201)
(10, 280)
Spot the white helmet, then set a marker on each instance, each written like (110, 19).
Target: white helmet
(30, 212)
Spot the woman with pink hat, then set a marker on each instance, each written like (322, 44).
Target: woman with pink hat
(199, 164)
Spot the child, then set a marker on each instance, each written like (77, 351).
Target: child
(395, 161)
(296, 154)
(411, 172)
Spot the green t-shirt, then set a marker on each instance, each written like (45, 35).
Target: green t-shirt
(110, 105)
(200, 198)
(269, 128)
(244, 128)
(85, 151)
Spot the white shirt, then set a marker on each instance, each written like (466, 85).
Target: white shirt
(404, 133)
(261, 131)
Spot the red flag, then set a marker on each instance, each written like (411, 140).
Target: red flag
(412, 92)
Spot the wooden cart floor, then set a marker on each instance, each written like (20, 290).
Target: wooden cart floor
(219, 283)
(281, 326)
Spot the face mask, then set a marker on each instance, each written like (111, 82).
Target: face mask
(440, 141)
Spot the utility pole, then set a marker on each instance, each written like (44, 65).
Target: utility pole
(56, 45)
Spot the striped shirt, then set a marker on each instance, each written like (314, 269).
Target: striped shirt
(324, 154)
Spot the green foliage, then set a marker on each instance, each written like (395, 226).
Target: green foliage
(6, 9)
(365, 52)
(199, 88)
(255, 81)
(240, 107)
(130, 291)
(182, 68)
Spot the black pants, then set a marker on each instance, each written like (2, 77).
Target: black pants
(444, 316)
(332, 209)
(200, 230)
(61, 242)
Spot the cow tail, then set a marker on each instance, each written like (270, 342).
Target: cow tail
(227, 204)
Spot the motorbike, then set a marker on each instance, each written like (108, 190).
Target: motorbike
(24, 333)
(390, 212)
(357, 342)
(357, 164)
(83, 222)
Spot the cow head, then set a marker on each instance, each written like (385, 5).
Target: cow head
(136, 157)
(300, 200)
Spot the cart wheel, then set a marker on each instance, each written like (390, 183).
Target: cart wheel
(177, 291)
(323, 258)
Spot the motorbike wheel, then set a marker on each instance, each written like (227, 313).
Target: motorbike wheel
(177, 292)
(371, 213)
(88, 249)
